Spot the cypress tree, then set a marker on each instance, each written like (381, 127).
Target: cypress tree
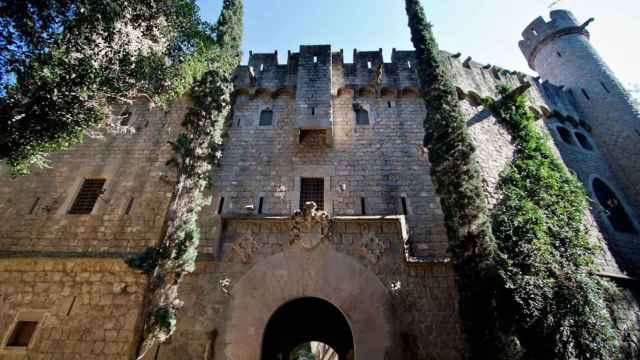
(196, 150)
(458, 181)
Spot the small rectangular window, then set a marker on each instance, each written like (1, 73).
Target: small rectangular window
(362, 117)
(315, 59)
(221, 205)
(405, 210)
(312, 189)
(266, 118)
(22, 333)
(88, 196)
(584, 92)
(260, 202)
(605, 87)
(369, 65)
(261, 67)
(363, 206)
(389, 104)
(409, 64)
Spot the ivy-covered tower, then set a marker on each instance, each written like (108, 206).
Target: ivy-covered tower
(560, 51)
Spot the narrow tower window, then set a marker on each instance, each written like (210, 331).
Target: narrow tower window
(315, 59)
(130, 206)
(221, 205)
(615, 211)
(33, 207)
(266, 118)
(363, 206)
(260, 203)
(405, 209)
(88, 196)
(313, 110)
(584, 92)
(312, 189)
(261, 67)
(559, 54)
(369, 65)
(605, 87)
(409, 64)
(389, 104)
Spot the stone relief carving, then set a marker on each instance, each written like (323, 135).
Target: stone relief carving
(309, 226)
(372, 248)
(246, 248)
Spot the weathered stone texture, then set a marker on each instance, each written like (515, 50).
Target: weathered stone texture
(86, 308)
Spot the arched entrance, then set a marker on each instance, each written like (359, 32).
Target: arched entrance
(301, 274)
(305, 320)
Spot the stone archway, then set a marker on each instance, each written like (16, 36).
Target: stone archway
(301, 273)
(304, 320)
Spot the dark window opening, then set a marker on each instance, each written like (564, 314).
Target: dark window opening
(221, 205)
(584, 92)
(615, 211)
(33, 207)
(363, 206)
(605, 87)
(129, 206)
(313, 110)
(88, 196)
(260, 203)
(238, 123)
(22, 333)
(312, 189)
(584, 141)
(565, 134)
(405, 210)
(559, 54)
(389, 104)
(362, 115)
(266, 118)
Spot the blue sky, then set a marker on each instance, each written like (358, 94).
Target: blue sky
(487, 30)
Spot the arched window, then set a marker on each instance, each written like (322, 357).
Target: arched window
(615, 211)
(266, 118)
(565, 135)
(584, 141)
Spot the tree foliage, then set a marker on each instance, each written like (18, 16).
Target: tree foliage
(196, 150)
(62, 62)
(457, 179)
(550, 302)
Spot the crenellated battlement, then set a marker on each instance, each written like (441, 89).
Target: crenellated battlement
(541, 32)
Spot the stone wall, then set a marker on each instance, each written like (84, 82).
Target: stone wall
(85, 308)
(34, 208)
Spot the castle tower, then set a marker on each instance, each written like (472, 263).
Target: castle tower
(560, 51)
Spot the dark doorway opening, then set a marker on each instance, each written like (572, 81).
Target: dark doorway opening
(306, 320)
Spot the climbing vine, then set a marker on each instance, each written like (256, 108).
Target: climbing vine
(550, 299)
(196, 150)
(457, 179)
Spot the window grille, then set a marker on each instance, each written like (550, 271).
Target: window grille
(312, 189)
(87, 197)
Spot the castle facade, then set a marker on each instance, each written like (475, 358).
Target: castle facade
(366, 270)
